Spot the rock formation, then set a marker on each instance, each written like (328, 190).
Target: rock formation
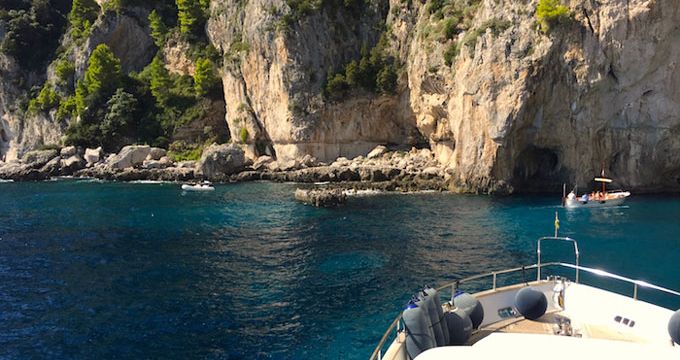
(321, 197)
(518, 108)
(501, 104)
(220, 161)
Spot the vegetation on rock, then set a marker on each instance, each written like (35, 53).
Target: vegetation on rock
(204, 77)
(64, 71)
(158, 28)
(376, 71)
(31, 22)
(191, 15)
(301, 8)
(551, 13)
(103, 73)
(181, 151)
(243, 135)
(46, 100)
(82, 16)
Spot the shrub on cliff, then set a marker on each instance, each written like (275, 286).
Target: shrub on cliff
(121, 111)
(551, 13)
(451, 53)
(387, 79)
(336, 86)
(46, 100)
(32, 29)
(82, 16)
(243, 135)
(205, 81)
(181, 151)
(65, 71)
(376, 71)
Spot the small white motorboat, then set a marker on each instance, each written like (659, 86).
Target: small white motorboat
(554, 316)
(202, 186)
(601, 198)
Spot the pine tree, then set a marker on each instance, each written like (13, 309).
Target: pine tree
(103, 73)
(80, 98)
(160, 82)
(190, 16)
(158, 29)
(204, 77)
(83, 14)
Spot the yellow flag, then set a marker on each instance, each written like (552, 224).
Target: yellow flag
(557, 222)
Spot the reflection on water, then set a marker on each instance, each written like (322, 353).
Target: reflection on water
(145, 271)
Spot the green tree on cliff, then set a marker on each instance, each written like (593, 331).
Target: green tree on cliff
(158, 28)
(551, 13)
(159, 81)
(387, 79)
(205, 80)
(103, 73)
(120, 115)
(83, 14)
(191, 16)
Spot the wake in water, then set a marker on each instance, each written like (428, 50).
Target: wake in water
(154, 182)
(373, 192)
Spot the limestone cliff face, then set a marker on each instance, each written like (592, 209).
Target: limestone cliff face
(517, 108)
(273, 79)
(530, 111)
(604, 95)
(125, 32)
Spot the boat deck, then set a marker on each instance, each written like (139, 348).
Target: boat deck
(553, 323)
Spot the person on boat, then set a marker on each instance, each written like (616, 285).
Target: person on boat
(584, 198)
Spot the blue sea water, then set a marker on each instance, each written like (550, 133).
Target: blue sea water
(109, 270)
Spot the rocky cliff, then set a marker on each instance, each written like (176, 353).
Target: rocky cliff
(503, 104)
(518, 108)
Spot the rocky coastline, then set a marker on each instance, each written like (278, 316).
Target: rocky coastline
(381, 169)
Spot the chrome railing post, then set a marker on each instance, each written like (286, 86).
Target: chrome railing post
(454, 286)
(635, 287)
(577, 259)
(538, 265)
(494, 281)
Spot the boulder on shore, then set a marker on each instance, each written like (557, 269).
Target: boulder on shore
(379, 150)
(68, 151)
(93, 156)
(262, 162)
(220, 161)
(321, 197)
(38, 158)
(52, 167)
(72, 164)
(156, 153)
(129, 156)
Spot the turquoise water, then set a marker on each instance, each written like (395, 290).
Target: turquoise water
(107, 270)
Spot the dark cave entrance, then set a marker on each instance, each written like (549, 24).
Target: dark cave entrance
(537, 169)
(3, 136)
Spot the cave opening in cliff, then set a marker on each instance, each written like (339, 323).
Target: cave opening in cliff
(3, 135)
(537, 169)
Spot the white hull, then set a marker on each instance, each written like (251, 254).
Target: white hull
(577, 203)
(592, 312)
(186, 187)
(577, 321)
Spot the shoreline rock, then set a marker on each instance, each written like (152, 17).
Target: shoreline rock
(321, 197)
(384, 170)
